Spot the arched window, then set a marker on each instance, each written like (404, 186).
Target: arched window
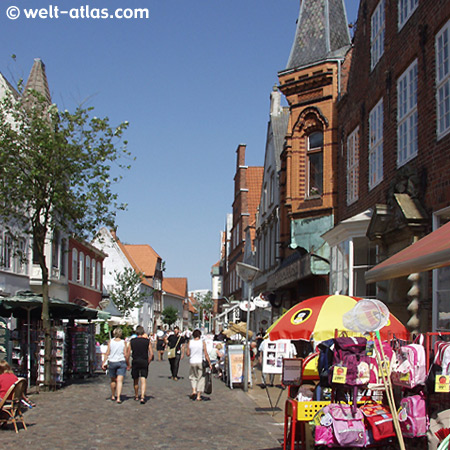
(87, 279)
(315, 164)
(74, 264)
(80, 278)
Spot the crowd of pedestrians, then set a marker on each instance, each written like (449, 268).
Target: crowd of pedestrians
(137, 353)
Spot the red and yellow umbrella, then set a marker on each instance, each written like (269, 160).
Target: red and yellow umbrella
(317, 318)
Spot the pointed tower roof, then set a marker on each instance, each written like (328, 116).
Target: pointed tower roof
(322, 33)
(37, 79)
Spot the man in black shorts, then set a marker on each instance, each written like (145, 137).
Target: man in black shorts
(142, 353)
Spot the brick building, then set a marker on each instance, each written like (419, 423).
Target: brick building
(312, 83)
(247, 190)
(393, 161)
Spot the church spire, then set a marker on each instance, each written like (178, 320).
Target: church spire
(322, 33)
(37, 80)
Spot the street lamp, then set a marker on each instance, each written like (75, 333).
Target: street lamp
(247, 273)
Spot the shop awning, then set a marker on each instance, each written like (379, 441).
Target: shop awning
(430, 252)
(30, 303)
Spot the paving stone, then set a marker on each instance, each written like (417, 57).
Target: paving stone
(81, 416)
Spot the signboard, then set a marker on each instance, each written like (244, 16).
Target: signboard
(292, 372)
(273, 354)
(236, 364)
(4, 340)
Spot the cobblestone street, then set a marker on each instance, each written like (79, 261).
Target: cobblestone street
(81, 416)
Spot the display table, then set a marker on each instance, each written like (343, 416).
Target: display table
(301, 412)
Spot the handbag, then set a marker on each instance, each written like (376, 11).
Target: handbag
(208, 382)
(172, 352)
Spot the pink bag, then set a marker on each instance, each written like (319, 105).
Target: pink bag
(409, 369)
(348, 427)
(413, 416)
(324, 436)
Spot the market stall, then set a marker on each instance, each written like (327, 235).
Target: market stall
(27, 339)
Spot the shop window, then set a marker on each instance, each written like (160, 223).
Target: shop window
(315, 164)
(377, 23)
(441, 284)
(353, 166)
(443, 80)
(376, 145)
(407, 115)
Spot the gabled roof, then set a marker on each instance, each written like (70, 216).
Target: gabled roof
(191, 303)
(37, 80)
(141, 257)
(176, 286)
(322, 33)
(7, 86)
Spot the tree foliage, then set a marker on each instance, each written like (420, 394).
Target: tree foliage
(57, 170)
(169, 315)
(127, 293)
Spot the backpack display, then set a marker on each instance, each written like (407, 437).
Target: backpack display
(348, 426)
(379, 421)
(351, 365)
(325, 361)
(409, 367)
(413, 416)
(440, 366)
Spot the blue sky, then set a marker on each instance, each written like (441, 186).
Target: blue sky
(193, 81)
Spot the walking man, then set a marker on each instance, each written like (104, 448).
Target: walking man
(176, 346)
(142, 354)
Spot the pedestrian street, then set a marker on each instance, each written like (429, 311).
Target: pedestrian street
(81, 416)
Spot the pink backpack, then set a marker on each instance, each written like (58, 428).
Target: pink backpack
(348, 427)
(324, 436)
(409, 369)
(413, 416)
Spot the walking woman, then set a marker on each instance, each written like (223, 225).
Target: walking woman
(196, 351)
(116, 357)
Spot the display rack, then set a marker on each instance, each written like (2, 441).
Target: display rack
(57, 357)
(80, 351)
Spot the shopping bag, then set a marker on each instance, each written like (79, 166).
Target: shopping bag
(208, 382)
(171, 353)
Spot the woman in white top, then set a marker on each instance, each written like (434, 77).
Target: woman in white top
(116, 357)
(196, 350)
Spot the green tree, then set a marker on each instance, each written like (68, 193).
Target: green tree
(57, 169)
(206, 305)
(127, 293)
(169, 315)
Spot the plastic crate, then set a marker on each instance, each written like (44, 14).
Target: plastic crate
(307, 410)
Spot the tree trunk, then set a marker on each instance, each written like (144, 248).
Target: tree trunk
(47, 330)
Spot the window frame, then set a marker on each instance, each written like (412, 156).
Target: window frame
(377, 30)
(407, 115)
(353, 166)
(314, 151)
(408, 7)
(443, 80)
(375, 150)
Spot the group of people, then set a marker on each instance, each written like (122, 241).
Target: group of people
(137, 354)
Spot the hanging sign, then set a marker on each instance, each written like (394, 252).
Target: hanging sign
(246, 305)
(260, 302)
